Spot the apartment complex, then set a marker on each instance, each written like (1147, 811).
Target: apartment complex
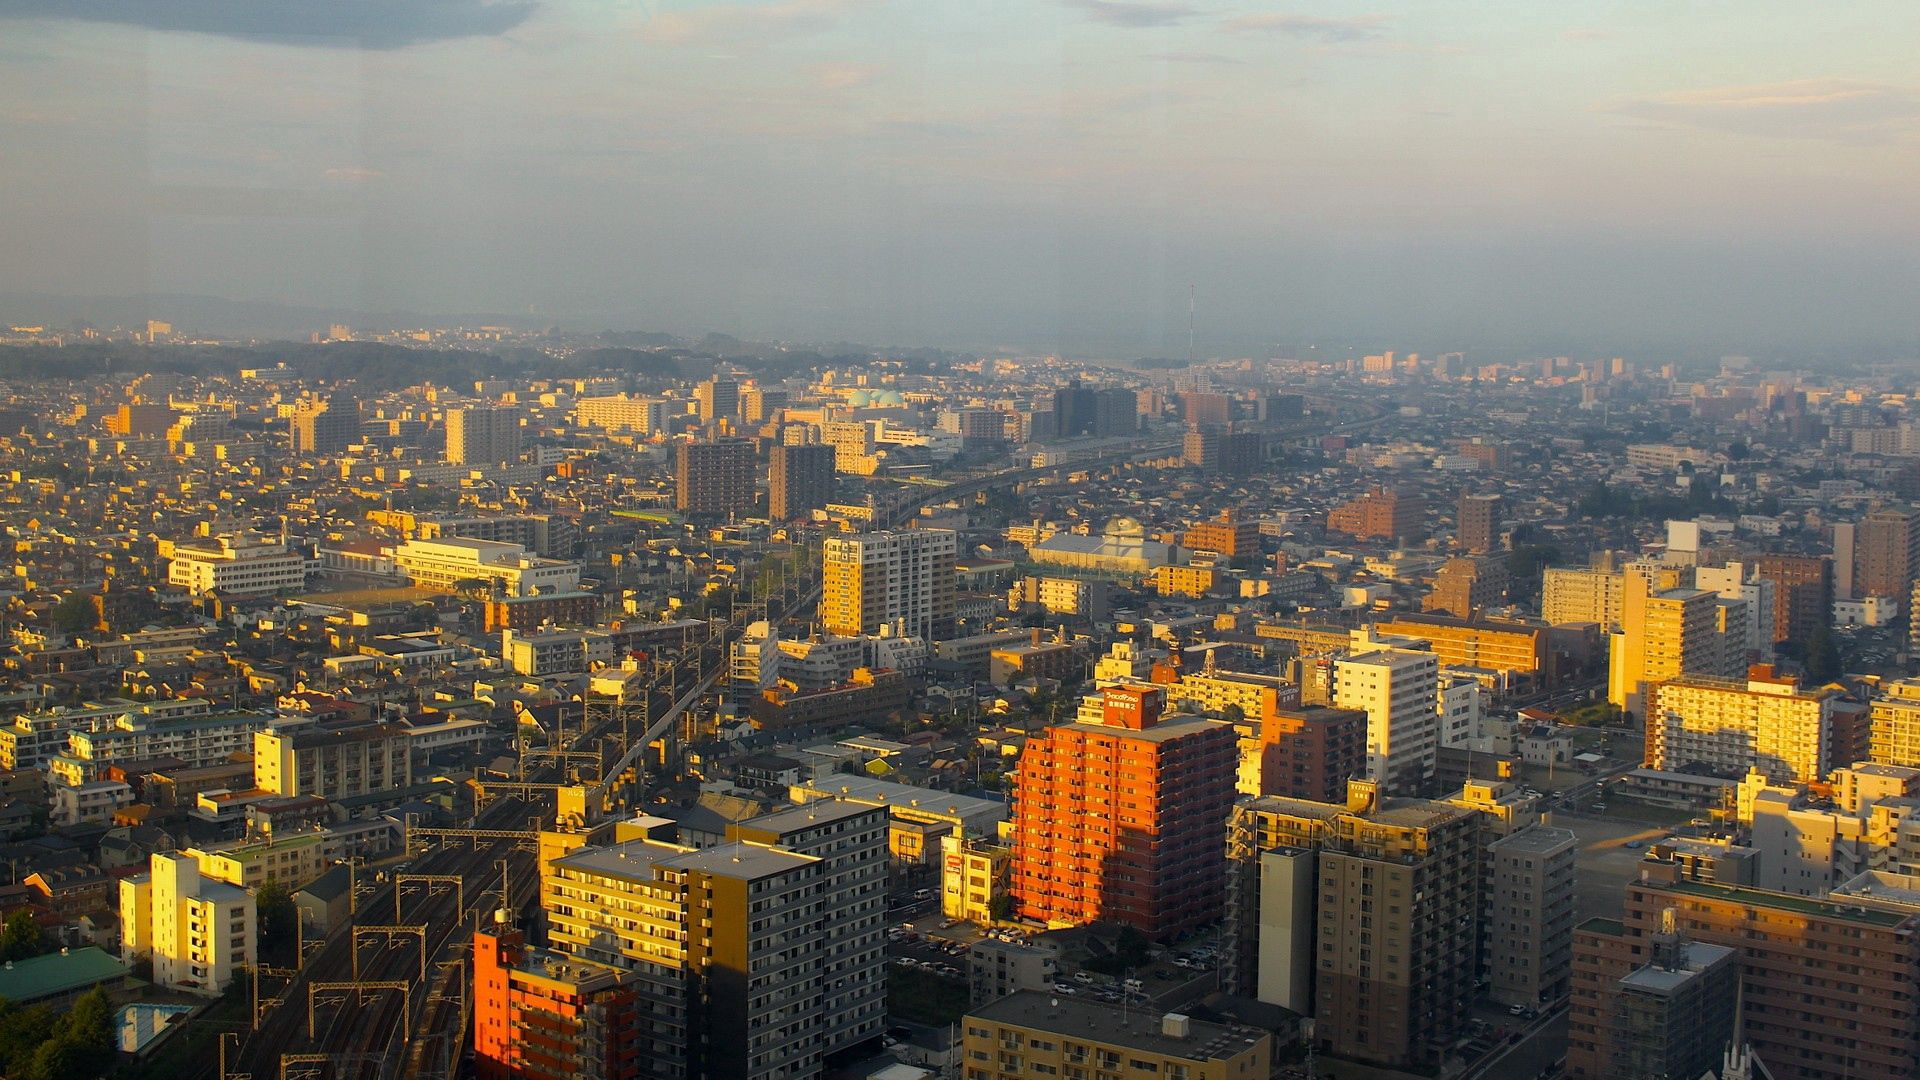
(237, 566)
(1518, 650)
(324, 427)
(1895, 719)
(638, 415)
(1228, 535)
(1478, 522)
(1666, 633)
(1886, 553)
(748, 959)
(1803, 592)
(539, 1015)
(1389, 891)
(887, 579)
(1467, 585)
(799, 480)
(1397, 689)
(448, 563)
(1579, 595)
(1665, 1011)
(1380, 514)
(1119, 820)
(198, 932)
(332, 763)
(1311, 752)
(483, 435)
(1827, 984)
(1033, 1034)
(715, 478)
(717, 399)
(1765, 722)
(1529, 916)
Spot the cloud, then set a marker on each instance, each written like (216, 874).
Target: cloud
(1586, 33)
(350, 174)
(1195, 58)
(1827, 109)
(1134, 13)
(1314, 27)
(844, 76)
(734, 23)
(369, 24)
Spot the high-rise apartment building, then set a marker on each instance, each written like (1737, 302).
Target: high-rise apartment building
(1397, 689)
(1391, 891)
(1665, 633)
(1580, 595)
(324, 427)
(1311, 753)
(199, 933)
(540, 1015)
(799, 480)
(1120, 820)
(854, 445)
(1886, 553)
(881, 579)
(851, 840)
(1478, 522)
(1668, 1013)
(718, 399)
(1201, 448)
(1529, 916)
(1468, 585)
(1895, 720)
(1802, 594)
(332, 763)
(714, 477)
(748, 958)
(638, 415)
(1380, 514)
(1827, 984)
(483, 435)
(761, 405)
(1229, 535)
(1765, 722)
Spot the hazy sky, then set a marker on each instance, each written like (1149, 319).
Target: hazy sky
(1043, 174)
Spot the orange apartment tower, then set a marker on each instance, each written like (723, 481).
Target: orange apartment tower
(543, 1016)
(1123, 820)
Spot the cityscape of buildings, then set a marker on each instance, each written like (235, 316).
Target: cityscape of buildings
(983, 718)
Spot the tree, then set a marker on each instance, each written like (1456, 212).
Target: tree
(1737, 450)
(1822, 657)
(74, 614)
(274, 907)
(21, 937)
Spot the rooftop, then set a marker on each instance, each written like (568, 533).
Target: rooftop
(1540, 839)
(1100, 1023)
(1695, 957)
(58, 973)
(1800, 905)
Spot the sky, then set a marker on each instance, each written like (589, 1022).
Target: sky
(1507, 178)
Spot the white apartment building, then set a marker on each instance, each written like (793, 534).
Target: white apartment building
(556, 652)
(236, 565)
(1397, 689)
(196, 740)
(333, 763)
(1895, 717)
(439, 564)
(199, 932)
(1766, 723)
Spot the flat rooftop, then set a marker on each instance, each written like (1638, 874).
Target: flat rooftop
(1099, 1023)
(1801, 905)
(1540, 839)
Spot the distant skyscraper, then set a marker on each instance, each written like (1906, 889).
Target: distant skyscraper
(800, 479)
(1802, 594)
(483, 435)
(1479, 520)
(760, 405)
(1201, 448)
(325, 427)
(718, 398)
(714, 477)
(1887, 553)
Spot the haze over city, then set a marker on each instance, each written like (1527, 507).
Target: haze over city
(1507, 177)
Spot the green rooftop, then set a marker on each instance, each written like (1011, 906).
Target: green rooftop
(1601, 925)
(29, 980)
(1801, 905)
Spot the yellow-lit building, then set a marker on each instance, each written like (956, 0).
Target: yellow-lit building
(1515, 648)
(1193, 581)
(1766, 723)
(199, 933)
(973, 877)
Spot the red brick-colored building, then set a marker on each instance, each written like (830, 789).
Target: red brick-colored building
(1311, 753)
(542, 1016)
(1122, 820)
(1227, 535)
(1380, 514)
